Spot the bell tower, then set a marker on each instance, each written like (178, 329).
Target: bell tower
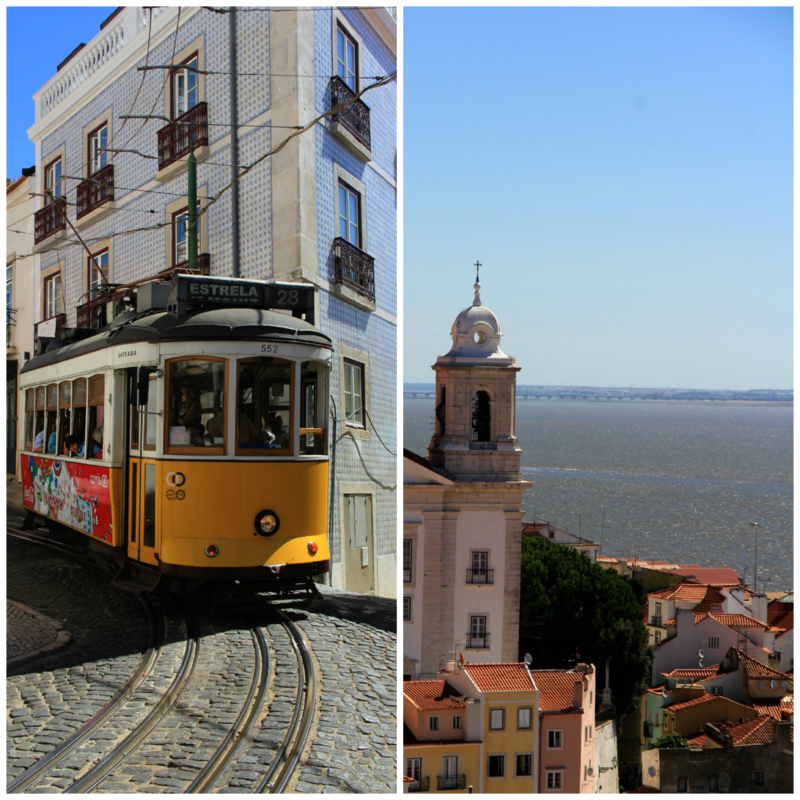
(474, 438)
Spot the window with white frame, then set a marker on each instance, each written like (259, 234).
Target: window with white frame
(350, 214)
(98, 142)
(478, 637)
(433, 723)
(524, 719)
(346, 58)
(497, 719)
(185, 88)
(414, 768)
(457, 722)
(52, 296)
(353, 393)
(98, 273)
(52, 179)
(555, 779)
(407, 553)
(555, 739)
(180, 236)
(658, 637)
(406, 609)
(480, 566)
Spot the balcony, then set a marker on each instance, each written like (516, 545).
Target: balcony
(177, 138)
(480, 576)
(47, 330)
(449, 783)
(657, 621)
(477, 641)
(420, 785)
(351, 124)
(354, 269)
(96, 191)
(203, 267)
(50, 219)
(92, 313)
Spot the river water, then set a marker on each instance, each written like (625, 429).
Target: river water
(679, 481)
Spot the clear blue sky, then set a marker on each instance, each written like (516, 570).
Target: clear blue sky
(625, 177)
(38, 39)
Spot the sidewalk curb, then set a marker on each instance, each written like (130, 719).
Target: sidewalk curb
(63, 638)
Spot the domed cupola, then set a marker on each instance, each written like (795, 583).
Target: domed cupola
(476, 332)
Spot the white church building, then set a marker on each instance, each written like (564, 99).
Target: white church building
(462, 509)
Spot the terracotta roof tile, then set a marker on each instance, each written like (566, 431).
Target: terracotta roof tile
(689, 592)
(780, 614)
(754, 731)
(695, 701)
(710, 576)
(697, 741)
(755, 669)
(14, 184)
(556, 688)
(704, 672)
(737, 620)
(432, 695)
(772, 709)
(508, 677)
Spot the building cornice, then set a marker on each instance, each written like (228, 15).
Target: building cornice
(384, 24)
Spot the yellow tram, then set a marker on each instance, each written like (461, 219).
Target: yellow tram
(189, 434)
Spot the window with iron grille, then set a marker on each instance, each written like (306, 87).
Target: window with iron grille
(406, 609)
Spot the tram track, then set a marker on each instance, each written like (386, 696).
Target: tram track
(99, 773)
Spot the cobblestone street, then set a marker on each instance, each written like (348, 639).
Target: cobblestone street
(73, 642)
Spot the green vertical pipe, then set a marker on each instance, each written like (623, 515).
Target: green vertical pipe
(192, 221)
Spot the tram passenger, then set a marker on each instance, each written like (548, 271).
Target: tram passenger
(73, 446)
(38, 442)
(52, 444)
(189, 410)
(279, 436)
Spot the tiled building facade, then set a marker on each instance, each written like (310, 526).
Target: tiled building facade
(291, 217)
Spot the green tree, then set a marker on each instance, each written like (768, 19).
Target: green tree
(572, 610)
(673, 740)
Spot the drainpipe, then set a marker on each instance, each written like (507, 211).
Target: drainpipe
(191, 222)
(234, 147)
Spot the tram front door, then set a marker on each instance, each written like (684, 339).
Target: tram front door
(144, 530)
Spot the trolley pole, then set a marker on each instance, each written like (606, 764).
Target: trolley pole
(191, 173)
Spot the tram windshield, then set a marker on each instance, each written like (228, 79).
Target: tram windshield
(196, 402)
(264, 406)
(313, 407)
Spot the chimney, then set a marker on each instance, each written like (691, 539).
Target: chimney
(758, 606)
(578, 690)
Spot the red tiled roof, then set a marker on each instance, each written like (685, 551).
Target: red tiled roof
(775, 708)
(556, 688)
(755, 669)
(695, 701)
(754, 731)
(737, 620)
(432, 695)
(780, 615)
(509, 677)
(698, 741)
(690, 592)
(711, 598)
(13, 185)
(704, 672)
(723, 576)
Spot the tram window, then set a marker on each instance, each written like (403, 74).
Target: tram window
(313, 407)
(51, 425)
(29, 417)
(38, 442)
(79, 413)
(196, 392)
(264, 406)
(151, 419)
(64, 413)
(135, 426)
(96, 416)
(149, 510)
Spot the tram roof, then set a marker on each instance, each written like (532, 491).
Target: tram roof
(202, 324)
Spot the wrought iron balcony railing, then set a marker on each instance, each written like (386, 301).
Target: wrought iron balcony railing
(481, 576)
(354, 268)
(420, 785)
(50, 219)
(447, 783)
(203, 264)
(657, 621)
(92, 313)
(96, 190)
(477, 641)
(177, 138)
(355, 118)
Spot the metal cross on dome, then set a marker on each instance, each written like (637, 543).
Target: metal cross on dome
(478, 272)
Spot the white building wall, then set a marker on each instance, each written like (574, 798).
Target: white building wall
(480, 530)
(607, 781)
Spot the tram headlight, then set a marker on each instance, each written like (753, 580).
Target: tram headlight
(267, 523)
(212, 550)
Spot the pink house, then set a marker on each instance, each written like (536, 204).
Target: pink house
(567, 701)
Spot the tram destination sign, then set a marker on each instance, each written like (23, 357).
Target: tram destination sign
(192, 291)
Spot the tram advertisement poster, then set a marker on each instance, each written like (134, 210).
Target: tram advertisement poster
(78, 495)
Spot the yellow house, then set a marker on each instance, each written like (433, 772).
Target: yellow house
(687, 716)
(504, 711)
(437, 754)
